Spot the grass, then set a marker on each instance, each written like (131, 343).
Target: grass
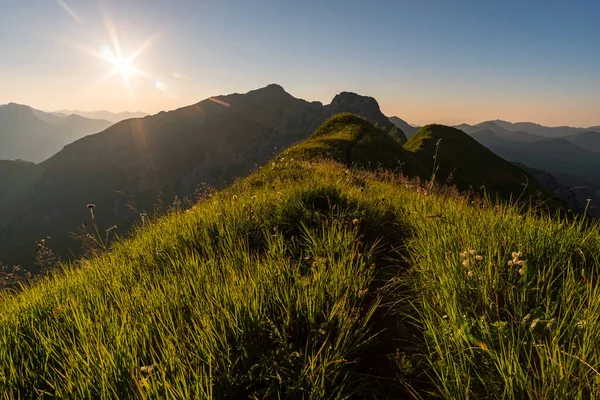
(310, 279)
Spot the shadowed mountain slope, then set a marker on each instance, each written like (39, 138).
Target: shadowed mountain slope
(588, 140)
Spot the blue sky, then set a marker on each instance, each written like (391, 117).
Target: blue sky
(446, 61)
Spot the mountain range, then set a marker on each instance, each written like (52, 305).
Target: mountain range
(139, 165)
(33, 135)
(566, 159)
(101, 114)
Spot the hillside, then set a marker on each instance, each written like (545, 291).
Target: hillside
(32, 135)
(143, 164)
(313, 279)
(462, 161)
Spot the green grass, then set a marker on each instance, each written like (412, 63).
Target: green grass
(310, 279)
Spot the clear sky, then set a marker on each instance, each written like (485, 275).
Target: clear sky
(446, 61)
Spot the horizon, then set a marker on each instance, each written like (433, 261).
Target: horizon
(325, 103)
(472, 63)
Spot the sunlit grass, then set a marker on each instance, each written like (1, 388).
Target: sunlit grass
(310, 279)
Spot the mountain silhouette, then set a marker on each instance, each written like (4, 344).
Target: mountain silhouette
(139, 163)
(33, 135)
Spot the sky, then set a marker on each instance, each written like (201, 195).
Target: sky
(446, 61)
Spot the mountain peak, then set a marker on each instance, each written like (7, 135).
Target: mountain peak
(363, 106)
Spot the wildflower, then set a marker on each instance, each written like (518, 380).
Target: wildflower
(472, 252)
(521, 271)
(91, 205)
(464, 254)
(521, 262)
(533, 324)
(510, 263)
(478, 257)
(252, 210)
(470, 273)
(355, 221)
(465, 263)
(234, 197)
(147, 369)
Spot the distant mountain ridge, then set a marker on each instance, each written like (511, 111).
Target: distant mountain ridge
(101, 114)
(529, 128)
(32, 135)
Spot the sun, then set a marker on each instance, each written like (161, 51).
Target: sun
(124, 67)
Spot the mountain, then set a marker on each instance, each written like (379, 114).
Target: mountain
(529, 128)
(138, 163)
(33, 135)
(314, 278)
(589, 140)
(101, 114)
(572, 168)
(461, 160)
(407, 128)
(498, 130)
(355, 142)
(552, 155)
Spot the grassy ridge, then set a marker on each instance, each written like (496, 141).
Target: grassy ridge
(309, 279)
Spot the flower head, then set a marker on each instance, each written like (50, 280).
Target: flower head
(91, 205)
(470, 273)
